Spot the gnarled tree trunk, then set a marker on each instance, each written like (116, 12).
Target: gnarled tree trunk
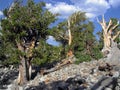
(22, 72)
(69, 53)
(69, 34)
(108, 37)
(22, 67)
(25, 67)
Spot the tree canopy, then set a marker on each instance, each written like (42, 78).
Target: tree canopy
(23, 29)
(83, 44)
(26, 27)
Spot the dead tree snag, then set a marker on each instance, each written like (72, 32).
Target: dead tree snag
(108, 30)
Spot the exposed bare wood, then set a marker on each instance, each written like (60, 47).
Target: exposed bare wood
(60, 65)
(103, 22)
(114, 37)
(11, 7)
(30, 49)
(115, 25)
(29, 56)
(22, 72)
(30, 71)
(69, 33)
(70, 53)
(109, 25)
(19, 78)
(25, 65)
(19, 46)
(108, 32)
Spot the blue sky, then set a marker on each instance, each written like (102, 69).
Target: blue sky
(93, 8)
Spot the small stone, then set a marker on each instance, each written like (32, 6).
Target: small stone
(118, 84)
(117, 88)
(116, 74)
(118, 80)
(108, 89)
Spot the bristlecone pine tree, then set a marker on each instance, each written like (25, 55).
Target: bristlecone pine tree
(23, 27)
(76, 37)
(109, 35)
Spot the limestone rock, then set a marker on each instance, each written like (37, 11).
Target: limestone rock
(114, 55)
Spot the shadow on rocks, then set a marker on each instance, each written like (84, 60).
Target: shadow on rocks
(106, 83)
(37, 68)
(75, 83)
(6, 78)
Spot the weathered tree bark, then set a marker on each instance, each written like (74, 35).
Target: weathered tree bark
(29, 52)
(69, 38)
(63, 63)
(22, 67)
(29, 67)
(22, 72)
(70, 23)
(25, 67)
(69, 34)
(108, 37)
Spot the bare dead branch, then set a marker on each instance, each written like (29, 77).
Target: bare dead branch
(103, 19)
(114, 37)
(109, 25)
(107, 32)
(115, 25)
(11, 7)
(60, 65)
(69, 33)
(102, 23)
(69, 23)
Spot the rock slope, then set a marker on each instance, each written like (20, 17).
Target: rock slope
(114, 55)
(93, 75)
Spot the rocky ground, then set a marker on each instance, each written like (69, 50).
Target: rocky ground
(103, 74)
(93, 75)
(7, 76)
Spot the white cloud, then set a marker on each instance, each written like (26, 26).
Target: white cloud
(90, 15)
(62, 8)
(114, 3)
(93, 8)
(1, 13)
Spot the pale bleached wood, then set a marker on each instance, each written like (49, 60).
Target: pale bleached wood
(107, 32)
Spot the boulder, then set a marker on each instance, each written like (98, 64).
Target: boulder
(114, 55)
